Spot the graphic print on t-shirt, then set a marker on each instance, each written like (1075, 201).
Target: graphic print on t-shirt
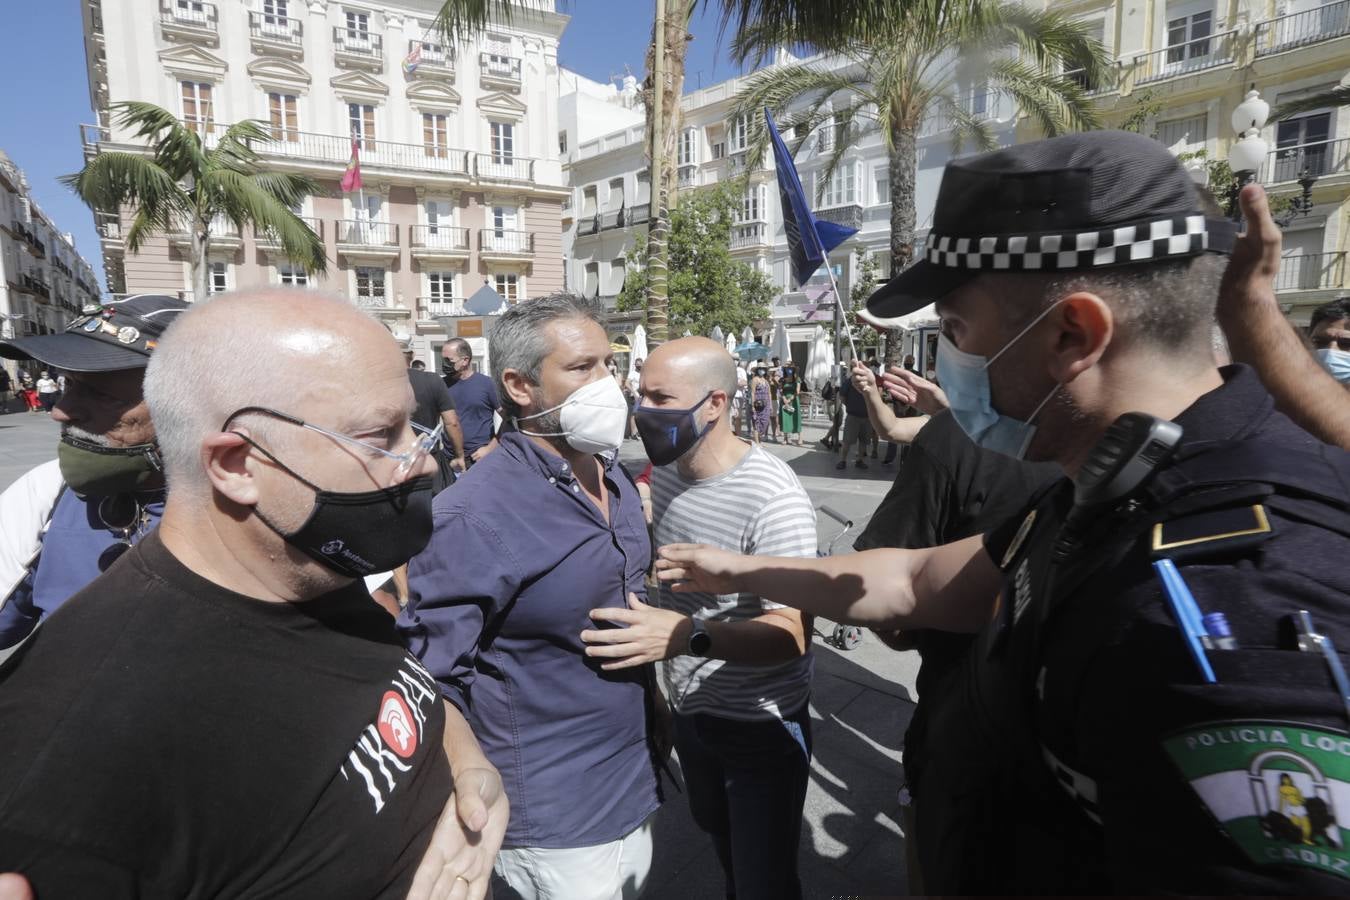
(378, 761)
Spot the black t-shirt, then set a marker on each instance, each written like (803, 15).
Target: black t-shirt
(432, 396)
(947, 489)
(165, 737)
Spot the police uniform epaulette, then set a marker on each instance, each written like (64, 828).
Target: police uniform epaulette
(1211, 533)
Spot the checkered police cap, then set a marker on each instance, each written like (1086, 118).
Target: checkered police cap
(1083, 201)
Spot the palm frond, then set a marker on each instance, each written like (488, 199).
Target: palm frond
(461, 20)
(250, 199)
(1056, 103)
(1050, 40)
(114, 179)
(144, 224)
(820, 23)
(966, 127)
(177, 149)
(1339, 96)
(777, 87)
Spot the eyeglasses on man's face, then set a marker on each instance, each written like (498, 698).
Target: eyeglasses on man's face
(424, 442)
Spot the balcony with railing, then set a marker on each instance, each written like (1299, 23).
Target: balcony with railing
(749, 235)
(614, 218)
(495, 70)
(686, 176)
(1322, 23)
(847, 214)
(639, 214)
(497, 167)
(434, 307)
(268, 239)
(439, 241)
(362, 237)
(223, 232)
(1185, 59)
(588, 225)
(281, 35)
(1100, 85)
(986, 106)
(1311, 272)
(436, 59)
(336, 150)
(358, 49)
(189, 20)
(504, 243)
(1318, 159)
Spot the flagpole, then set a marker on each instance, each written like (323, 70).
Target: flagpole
(839, 309)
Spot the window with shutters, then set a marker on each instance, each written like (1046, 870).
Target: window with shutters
(274, 13)
(617, 271)
(881, 185)
(738, 130)
(687, 151)
(441, 285)
(218, 280)
(842, 189)
(285, 119)
(509, 286)
(590, 285)
(1184, 135)
(292, 275)
(358, 25)
(752, 204)
(616, 194)
(370, 282)
(198, 114)
(503, 136)
(435, 130)
(361, 123)
(1187, 36)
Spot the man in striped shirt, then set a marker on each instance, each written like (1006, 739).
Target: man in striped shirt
(737, 668)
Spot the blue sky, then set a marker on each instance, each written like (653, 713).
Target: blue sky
(47, 92)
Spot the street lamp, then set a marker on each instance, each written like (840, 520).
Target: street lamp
(1249, 152)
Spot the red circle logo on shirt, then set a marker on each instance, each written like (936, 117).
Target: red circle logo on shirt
(396, 725)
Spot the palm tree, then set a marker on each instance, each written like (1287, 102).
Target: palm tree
(893, 75)
(462, 19)
(1337, 96)
(181, 183)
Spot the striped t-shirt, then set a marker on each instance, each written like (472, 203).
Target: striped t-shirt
(758, 507)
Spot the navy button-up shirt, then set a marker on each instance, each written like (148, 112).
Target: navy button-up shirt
(498, 601)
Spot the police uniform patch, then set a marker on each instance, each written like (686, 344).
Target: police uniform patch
(1281, 790)
(1018, 540)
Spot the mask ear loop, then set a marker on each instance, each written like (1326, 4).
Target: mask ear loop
(1021, 334)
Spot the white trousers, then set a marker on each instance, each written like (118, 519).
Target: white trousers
(614, 871)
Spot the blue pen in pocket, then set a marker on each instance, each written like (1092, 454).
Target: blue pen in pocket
(1187, 614)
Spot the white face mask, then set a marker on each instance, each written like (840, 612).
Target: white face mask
(593, 418)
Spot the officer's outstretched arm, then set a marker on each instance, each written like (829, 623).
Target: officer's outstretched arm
(951, 587)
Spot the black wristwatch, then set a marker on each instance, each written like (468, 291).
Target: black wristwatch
(700, 642)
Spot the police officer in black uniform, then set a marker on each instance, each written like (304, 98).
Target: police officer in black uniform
(1155, 699)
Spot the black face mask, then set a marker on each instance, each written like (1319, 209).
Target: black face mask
(668, 434)
(358, 534)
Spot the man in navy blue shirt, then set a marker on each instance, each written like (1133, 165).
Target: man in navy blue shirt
(475, 397)
(526, 544)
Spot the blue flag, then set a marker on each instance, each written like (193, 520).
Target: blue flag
(808, 239)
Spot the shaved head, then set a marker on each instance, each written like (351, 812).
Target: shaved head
(300, 352)
(699, 363)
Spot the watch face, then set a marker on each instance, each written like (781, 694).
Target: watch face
(700, 642)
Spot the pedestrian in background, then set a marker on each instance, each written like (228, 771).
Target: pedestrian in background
(775, 395)
(857, 427)
(790, 406)
(47, 390)
(475, 398)
(761, 409)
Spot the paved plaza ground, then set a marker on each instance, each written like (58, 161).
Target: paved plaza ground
(852, 844)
